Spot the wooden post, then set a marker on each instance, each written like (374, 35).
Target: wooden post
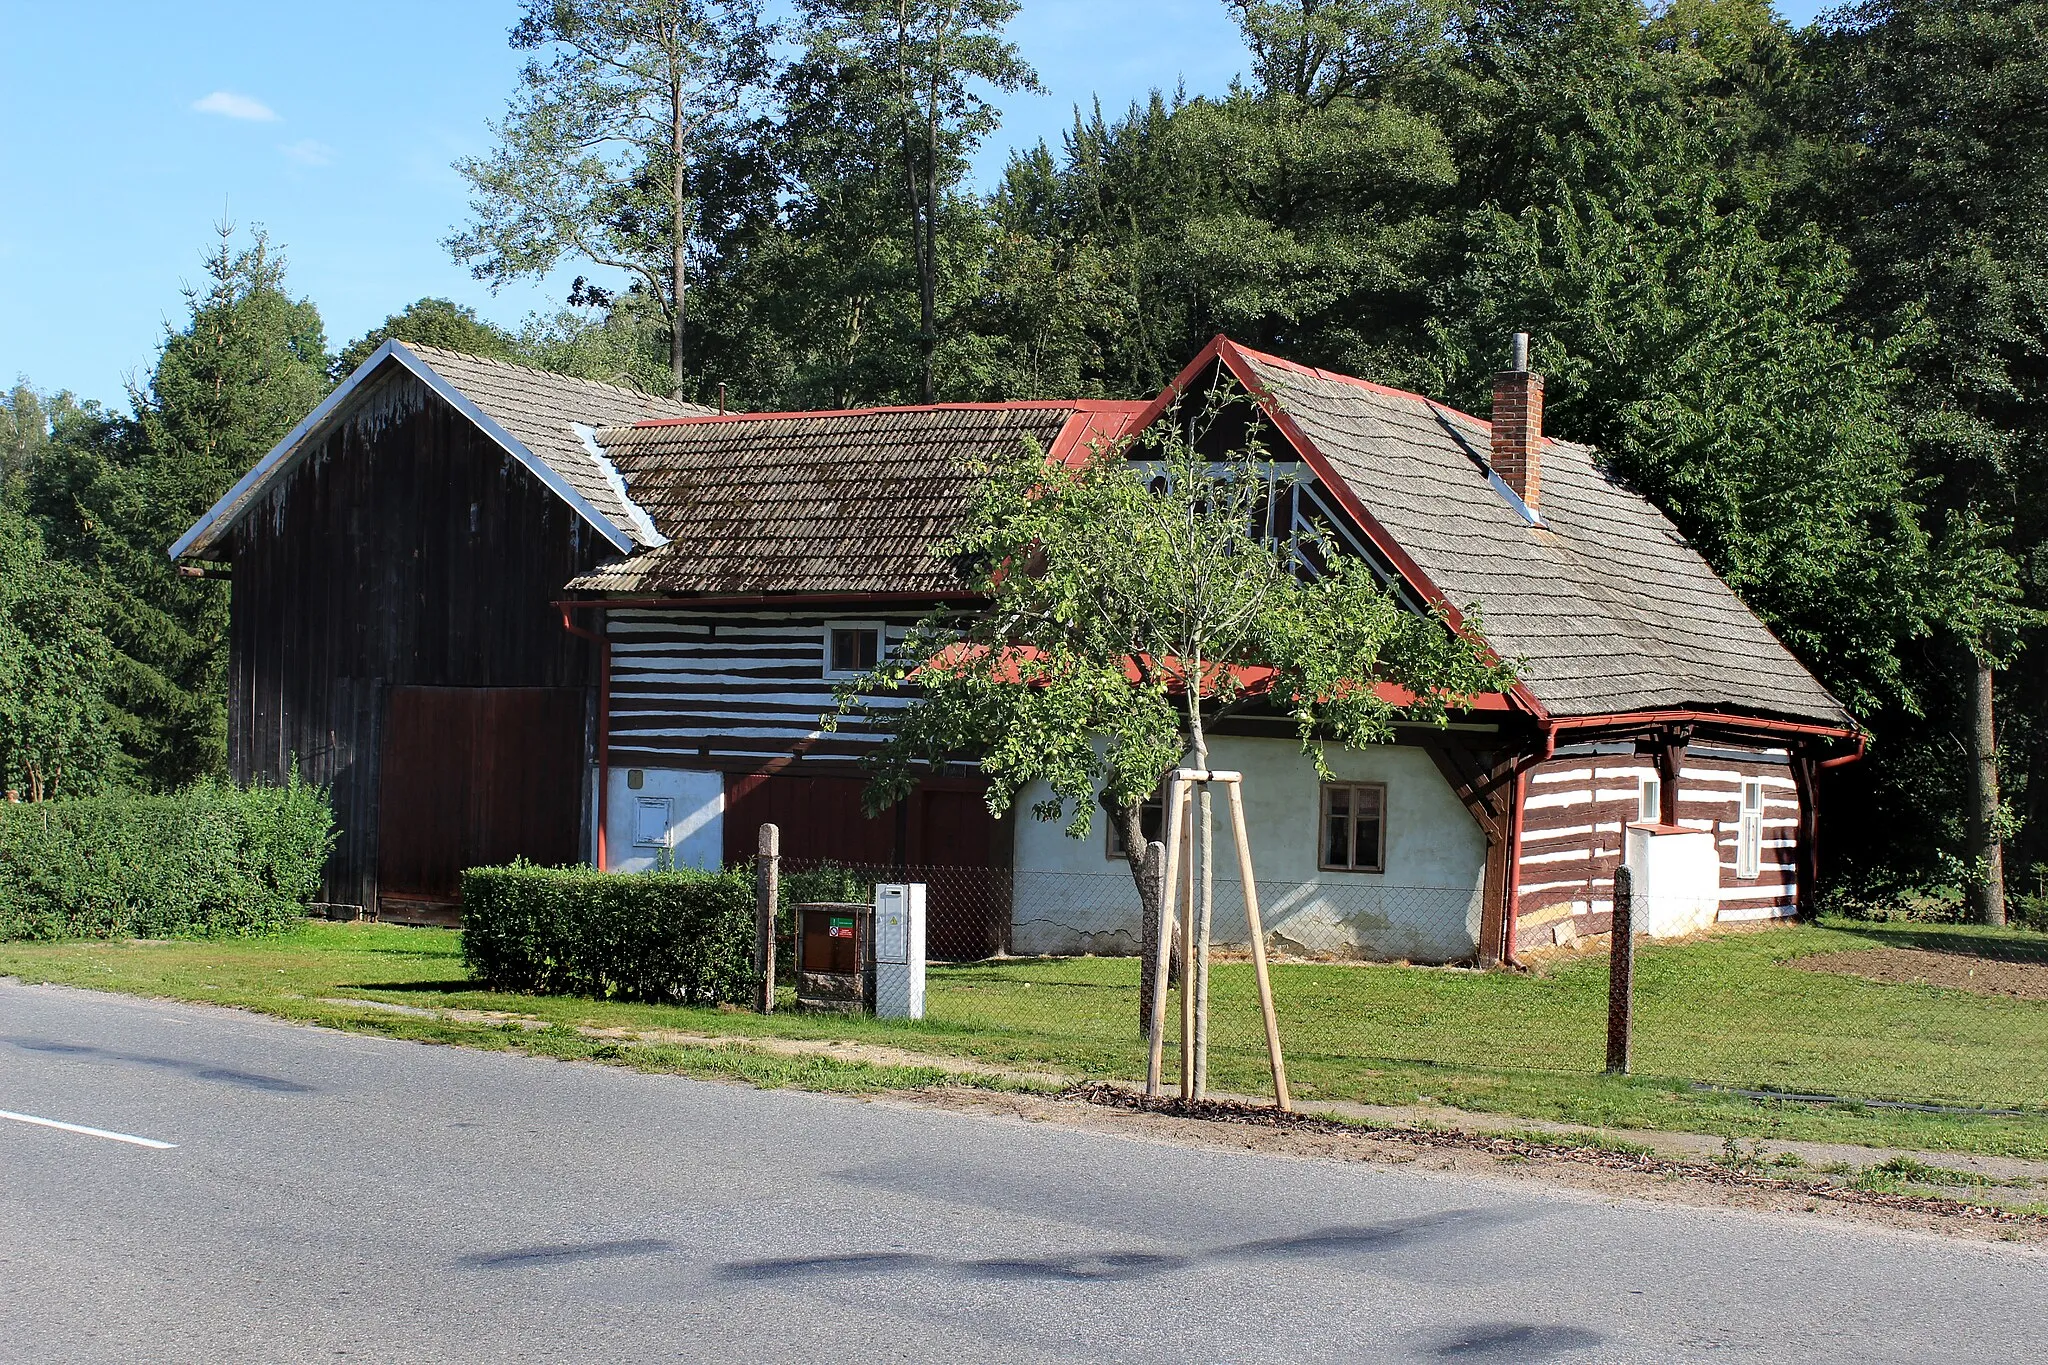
(1258, 935)
(1187, 953)
(767, 889)
(1153, 869)
(1621, 971)
(1167, 883)
(1202, 930)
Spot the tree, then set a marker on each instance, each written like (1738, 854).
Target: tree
(603, 154)
(430, 322)
(898, 79)
(55, 736)
(1131, 604)
(112, 494)
(1930, 115)
(1320, 51)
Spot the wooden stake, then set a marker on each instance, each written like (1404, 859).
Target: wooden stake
(1258, 934)
(1201, 1077)
(1167, 882)
(1187, 957)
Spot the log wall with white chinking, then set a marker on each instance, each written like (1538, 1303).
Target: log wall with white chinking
(1578, 802)
(730, 689)
(738, 695)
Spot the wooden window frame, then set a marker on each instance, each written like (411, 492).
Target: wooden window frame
(1649, 799)
(1749, 831)
(833, 628)
(1323, 795)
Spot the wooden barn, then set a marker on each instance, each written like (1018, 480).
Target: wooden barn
(667, 599)
(396, 564)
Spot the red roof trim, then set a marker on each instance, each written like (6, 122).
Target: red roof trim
(1074, 405)
(1238, 361)
(1092, 427)
(1727, 720)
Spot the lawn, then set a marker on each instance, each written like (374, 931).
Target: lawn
(1730, 1012)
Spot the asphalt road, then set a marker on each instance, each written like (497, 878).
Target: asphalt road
(335, 1197)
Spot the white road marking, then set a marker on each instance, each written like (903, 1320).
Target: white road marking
(89, 1132)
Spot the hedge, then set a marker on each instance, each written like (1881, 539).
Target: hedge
(211, 861)
(654, 936)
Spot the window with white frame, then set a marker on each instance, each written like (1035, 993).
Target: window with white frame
(1650, 801)
(1354, 832)
(1151, 820)
(1749, 833)
(852, 648)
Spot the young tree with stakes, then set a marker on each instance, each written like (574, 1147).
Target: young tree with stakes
(599, 155)
(1135, 598)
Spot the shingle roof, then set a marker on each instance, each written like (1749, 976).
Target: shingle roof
(532, 413)
(1606, 605)
(543, 410)
(840, 503)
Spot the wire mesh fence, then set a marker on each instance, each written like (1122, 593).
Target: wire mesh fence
(1374, 987)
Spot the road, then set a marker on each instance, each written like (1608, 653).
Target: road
(334, 1197)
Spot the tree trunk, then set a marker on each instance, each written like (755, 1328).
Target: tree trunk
(678, 279)
(928, 256)
(1986, 847)
(1200, 985)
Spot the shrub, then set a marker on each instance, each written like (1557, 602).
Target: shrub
(211, 861)
(656, 936)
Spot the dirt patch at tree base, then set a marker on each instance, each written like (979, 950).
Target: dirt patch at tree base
(1919, 967)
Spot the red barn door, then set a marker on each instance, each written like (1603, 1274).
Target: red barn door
(473, 776)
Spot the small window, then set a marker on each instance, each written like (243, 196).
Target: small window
(852, 649)
(1749, 834)
(1354, 833)
(1650, 801)
(1151, 819)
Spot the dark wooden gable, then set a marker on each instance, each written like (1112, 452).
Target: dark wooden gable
(407, 550)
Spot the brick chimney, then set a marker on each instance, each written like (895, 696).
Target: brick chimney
(1518, 427)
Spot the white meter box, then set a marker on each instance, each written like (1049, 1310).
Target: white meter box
(899, 951)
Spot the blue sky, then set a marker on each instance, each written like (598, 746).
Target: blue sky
(127, 129)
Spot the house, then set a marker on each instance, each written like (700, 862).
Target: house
(755, 560)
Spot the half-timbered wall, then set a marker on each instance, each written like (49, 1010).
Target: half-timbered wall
(1578, 802)
(407, 550)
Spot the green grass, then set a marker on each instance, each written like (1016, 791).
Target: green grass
(1728, 1012)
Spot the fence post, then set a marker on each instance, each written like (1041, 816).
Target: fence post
(1153, 869)
(767, 887)
(1621, 971)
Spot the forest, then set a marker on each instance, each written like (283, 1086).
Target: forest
(1790, 281)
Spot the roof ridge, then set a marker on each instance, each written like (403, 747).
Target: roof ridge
(426, 352)
(1334, 376)
(1104, 405)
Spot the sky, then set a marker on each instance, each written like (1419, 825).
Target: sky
(128, 128)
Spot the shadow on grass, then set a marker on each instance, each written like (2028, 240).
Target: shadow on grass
(1991, 945)
(457, 987)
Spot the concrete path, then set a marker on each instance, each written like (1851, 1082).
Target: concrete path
(331, 1196)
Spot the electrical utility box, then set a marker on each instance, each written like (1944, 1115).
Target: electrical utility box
(899, 951)
(834, 956)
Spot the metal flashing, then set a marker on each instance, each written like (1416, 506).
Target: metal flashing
(643, 524)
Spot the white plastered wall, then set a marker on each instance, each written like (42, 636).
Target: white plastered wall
(1677, 875)
(1424, 907)
(674, 808)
